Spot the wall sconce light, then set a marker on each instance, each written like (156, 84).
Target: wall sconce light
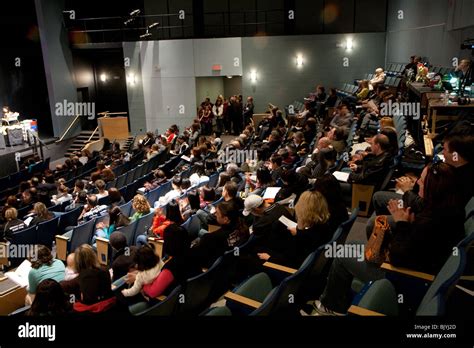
(131, 78)
(253, 76)
(299, 61)
(349, 44)
(103, 78)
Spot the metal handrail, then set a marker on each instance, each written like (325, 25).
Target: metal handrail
(68, 129)
(92, 135)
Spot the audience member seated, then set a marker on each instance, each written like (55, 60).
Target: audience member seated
(12, 224)
(92, 210)
(141, 207)
(458, 152)
(159, 178)
(330, 188)
(179, 266)
(293, 184)
(149, 140)
(379, 78)
(40, 214)
(116, 221)
(374, 167)
(96, 292)
(115, 198)
(43, 267)
(343, 117)
(174, 193)
(190, 204)
(50, 301)
(264, 180)
(231, 233)
(417, 241)
(148, 266)
(161, 221)
(302, 147)
(101, 191)
(313, 230)
(48, 186)
(62, 195)
(123, 256)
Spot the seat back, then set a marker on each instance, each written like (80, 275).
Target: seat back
(160, 191)
(104, 200)
(285, 299)
(469, 233)
(433, 307)
(63, 205)
(321, 266)
(82, 234)
(69, 219)
(47, 231)
(343, 230)
(129, 232)
(192, 225)
(218, 312)
(167, 307)
(379, 296)
(213, 180)
(198, 290)
(256, 287)
(143, 224)
(401, 127)
(25, 236)
(469, 209)
(121, 180)
(445, 279)
(126, 208)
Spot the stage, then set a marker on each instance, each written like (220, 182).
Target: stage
(50, 149)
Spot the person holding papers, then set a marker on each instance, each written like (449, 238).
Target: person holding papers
(312, 229)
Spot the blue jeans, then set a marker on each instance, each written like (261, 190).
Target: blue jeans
(381, 199)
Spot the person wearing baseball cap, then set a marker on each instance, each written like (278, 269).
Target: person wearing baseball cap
(255, 205)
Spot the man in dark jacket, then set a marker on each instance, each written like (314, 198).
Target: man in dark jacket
(374, 167)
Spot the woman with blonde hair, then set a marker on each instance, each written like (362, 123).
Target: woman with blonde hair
(42, 214)
(141, 206)
(313, 229)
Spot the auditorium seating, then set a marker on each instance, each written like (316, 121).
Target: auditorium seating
(384, 297)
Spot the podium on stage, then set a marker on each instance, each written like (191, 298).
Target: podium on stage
(114, 128)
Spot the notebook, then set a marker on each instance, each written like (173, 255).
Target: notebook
(341, 176)
(20, 275)
(287, 222)
(271, 192)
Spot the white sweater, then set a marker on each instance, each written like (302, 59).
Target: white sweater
(143, 278)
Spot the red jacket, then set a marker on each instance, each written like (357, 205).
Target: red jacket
(98, 307)
(159, 225)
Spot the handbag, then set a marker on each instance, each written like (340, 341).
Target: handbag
(375, 250)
